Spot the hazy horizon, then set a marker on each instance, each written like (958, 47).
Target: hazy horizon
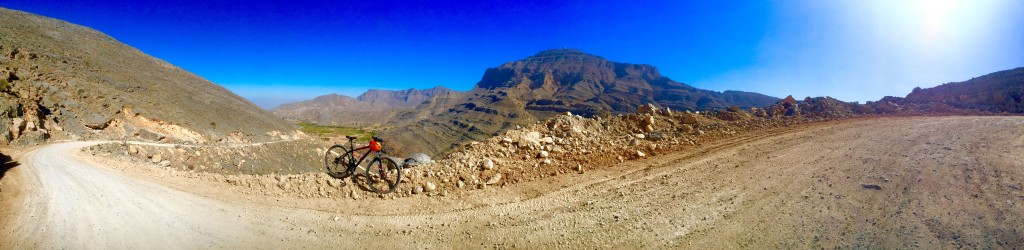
(277, 52)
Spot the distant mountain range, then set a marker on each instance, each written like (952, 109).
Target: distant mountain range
(513, 94)
(373, 108)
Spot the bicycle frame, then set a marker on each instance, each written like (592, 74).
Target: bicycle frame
(356, 163)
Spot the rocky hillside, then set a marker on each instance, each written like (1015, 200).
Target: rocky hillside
(524, 92)
(373, 108)
(65, 81)
(1001, 91)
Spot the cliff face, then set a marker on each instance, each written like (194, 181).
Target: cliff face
(570, 80)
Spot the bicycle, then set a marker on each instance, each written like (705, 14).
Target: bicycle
(382, 174)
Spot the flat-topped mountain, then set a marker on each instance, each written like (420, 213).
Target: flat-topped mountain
(554, 81)
(570, 80)
(67, 81)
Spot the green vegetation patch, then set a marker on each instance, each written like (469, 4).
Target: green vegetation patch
(333, 131)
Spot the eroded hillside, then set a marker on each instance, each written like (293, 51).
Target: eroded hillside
(65, 81)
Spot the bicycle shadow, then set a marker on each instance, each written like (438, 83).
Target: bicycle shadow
(7, 164)
(357, 179)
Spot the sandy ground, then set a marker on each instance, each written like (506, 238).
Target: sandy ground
(921, 182)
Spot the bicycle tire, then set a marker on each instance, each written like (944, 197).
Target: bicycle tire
(383, 182)
(336, 161)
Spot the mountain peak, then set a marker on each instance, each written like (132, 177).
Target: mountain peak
(562, 53)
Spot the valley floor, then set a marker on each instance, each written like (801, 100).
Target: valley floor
(914, 182)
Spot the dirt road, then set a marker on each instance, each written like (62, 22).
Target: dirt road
(889, 182)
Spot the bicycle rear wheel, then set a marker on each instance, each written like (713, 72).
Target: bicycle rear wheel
(383, 175)
(336, 161)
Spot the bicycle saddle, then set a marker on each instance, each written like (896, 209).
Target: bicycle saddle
(350, 137)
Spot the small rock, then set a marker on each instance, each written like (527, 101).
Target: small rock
(640, 154)
(157, 158)
(417, 189)
(132, 149)
(354, 194)
(429, 187)
(543, 154)
(546, 161)
(547, 140)
(488, 164)
(283, 185)
(494, 179)
(506, 140)
(871, 186)
(640, 136)
(336, 218)
(460, 184)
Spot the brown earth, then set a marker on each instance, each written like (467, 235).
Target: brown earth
(922, 182)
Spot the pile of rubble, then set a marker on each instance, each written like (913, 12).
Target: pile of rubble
(564, 144)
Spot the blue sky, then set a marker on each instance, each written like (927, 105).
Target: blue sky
(274, 52)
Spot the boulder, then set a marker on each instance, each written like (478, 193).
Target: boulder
(417, 159)
(529, 139)
(689, 118)
(96, 121)
(646, 109)
(149, 135)
(33, 137)
(789, 99)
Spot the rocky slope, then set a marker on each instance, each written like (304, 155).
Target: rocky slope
(373, 108)
(65, 81)
(1001, 91)
(524, 92)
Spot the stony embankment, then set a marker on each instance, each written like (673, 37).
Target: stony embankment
(564, 144)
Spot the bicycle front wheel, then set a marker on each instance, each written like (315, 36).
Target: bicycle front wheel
(336, 161)
(383, 175)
